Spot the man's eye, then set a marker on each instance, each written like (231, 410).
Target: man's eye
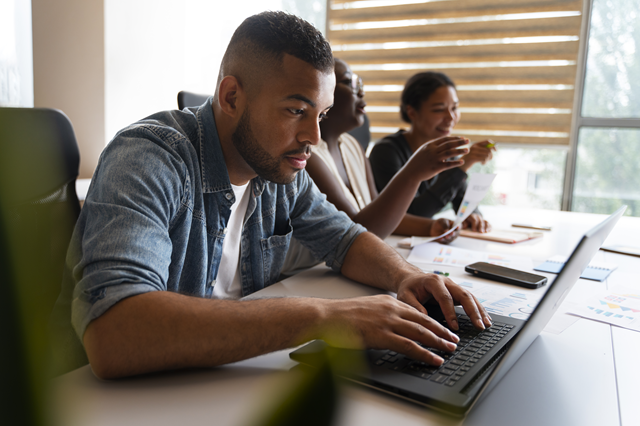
(322, 116)
(296, 111)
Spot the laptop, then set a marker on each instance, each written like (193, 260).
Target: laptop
(482, 358)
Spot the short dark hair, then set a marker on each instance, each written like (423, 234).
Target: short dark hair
(263, 39)
(418, 89)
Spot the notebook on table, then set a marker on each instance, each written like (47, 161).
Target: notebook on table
(594, 271)
(482, 357)
(502, 235)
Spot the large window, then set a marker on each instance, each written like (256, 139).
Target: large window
(527, 177)
(514, 64)
(608, 129)
(517, 66)
(567, 122)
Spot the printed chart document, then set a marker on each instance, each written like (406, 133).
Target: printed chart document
(502, 300)
(514, 302)
(477, 187)
(440, 254)
(620, 307)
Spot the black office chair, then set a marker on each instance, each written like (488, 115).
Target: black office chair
(362, 134)
(190, 99)
(39, 162)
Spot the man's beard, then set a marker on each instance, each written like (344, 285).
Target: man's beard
(265, 166)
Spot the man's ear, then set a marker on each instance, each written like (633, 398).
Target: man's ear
(231, 96)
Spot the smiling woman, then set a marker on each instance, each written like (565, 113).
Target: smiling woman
(430, 105)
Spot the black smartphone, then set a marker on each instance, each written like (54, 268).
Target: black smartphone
(506, 275)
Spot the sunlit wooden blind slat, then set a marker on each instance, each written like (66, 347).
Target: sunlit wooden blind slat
(514, 61)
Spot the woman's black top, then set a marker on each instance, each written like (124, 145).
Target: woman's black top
(391, 153)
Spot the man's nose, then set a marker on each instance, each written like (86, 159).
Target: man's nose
(310, 133)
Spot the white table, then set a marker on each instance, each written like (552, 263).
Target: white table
(586, 375)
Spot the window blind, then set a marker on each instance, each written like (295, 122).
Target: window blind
(513, 61)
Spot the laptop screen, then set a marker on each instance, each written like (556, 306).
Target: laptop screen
(558, 290)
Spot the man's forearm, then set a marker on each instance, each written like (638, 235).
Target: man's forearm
(371, 261)
(163, 330)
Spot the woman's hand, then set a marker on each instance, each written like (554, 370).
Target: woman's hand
(480, 152)
(432, 157)
(476, 223)
(440, 226)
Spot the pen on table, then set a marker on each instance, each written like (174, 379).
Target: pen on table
(444, 274)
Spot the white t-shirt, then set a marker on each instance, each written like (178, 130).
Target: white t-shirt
(228, 282)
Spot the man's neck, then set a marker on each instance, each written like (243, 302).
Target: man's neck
(239, 171)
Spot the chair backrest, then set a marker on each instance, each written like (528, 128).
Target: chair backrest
(190, 99)
(39, 161)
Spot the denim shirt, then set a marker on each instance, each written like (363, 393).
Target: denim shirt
(156, 216)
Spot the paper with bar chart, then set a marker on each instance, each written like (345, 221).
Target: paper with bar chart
(620, 307)
(503, 300)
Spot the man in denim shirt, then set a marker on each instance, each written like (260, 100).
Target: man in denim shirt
(146, 252)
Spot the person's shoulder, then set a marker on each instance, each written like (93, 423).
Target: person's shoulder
(349, 140)
(395, 139)
(172, 135)
(390, 144)
(171, 127)
(155, 148)
(351, 145)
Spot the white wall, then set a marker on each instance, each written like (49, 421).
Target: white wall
(16, 59)
(108, 63)
(68, 63)
(155, 48)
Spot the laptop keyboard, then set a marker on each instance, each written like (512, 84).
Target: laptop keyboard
(474, 344)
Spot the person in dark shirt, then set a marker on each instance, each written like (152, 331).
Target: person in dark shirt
(430, 105)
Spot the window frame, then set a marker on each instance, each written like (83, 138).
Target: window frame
(578, 120)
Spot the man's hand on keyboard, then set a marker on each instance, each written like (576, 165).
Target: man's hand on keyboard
(424, 287)
(383, 322)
